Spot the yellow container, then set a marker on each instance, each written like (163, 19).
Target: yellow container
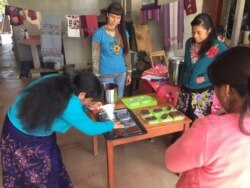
(245, 37)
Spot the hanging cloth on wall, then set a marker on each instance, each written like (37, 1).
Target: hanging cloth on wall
(14, 12)
(150, 13)
(190, 6)
(51, 41)
(73, 23)
(173, 25)
(88, 24)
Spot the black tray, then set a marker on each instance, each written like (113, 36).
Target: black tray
(132, 126)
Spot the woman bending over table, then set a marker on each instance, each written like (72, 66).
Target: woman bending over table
(30, 155)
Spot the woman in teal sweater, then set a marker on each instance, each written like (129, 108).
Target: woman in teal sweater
(196, 95)
(54, 103)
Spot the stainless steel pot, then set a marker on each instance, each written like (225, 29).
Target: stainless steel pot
(109, 93)
(175, 66)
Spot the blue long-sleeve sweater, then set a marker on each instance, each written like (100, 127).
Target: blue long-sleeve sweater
(192, 71)
(74, 115)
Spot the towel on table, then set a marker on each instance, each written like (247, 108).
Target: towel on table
(51, 42)
(173, 25)
(73, 25)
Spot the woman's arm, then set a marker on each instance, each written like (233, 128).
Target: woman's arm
(96, 57)
(187, 152)
(75, 115)
(127, 58)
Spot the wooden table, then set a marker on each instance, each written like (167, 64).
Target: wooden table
(153, 131)
(33, 42)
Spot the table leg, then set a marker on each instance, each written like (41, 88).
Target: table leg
(95, 144)
(110, 164)
(35, 56)
(187, 126)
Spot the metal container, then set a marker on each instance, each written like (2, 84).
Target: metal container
(175, 66)
(109, 93)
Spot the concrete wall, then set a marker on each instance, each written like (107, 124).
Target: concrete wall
(78, 51)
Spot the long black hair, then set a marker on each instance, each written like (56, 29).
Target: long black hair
(233, 68)
(206, 21)
(44, 101)
(116, 8)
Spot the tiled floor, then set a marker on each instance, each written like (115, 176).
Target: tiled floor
(139, 164)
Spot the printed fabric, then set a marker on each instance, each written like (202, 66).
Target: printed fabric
(195, 103)
(29, 161)
(73, 25)
(194, 52)
(14, 12)
(51, 40)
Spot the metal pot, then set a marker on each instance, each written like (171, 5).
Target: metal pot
(109, 93)
(175, 66)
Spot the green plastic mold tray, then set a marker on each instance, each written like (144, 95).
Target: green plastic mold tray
(139, 101)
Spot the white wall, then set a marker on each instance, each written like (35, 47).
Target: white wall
(75, 52)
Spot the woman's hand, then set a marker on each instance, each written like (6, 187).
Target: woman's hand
(200, 79)
(94, 105)
(128, 79)
(118, 125)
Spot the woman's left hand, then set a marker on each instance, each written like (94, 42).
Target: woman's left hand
(128, 80)
(94, 105)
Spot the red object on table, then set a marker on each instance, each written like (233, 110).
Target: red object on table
(164, 90)
(168, 91)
